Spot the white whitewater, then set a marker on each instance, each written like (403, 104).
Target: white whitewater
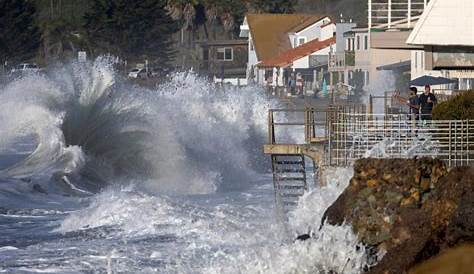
(179, 179)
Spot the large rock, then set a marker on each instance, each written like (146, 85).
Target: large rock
(408, 210)
(458, 260)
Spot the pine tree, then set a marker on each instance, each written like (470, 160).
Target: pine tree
(274, 6)
(19, 34)
(131, 29)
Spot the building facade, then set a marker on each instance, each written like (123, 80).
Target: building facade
(283, 43)
(445, 35)
(225, 61)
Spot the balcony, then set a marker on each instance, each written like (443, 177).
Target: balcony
(349, 58)
(341, 61)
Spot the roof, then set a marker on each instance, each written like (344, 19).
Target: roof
(308, 22)
(270, 31)
(287, 57)
(445, 23)
(403, 66)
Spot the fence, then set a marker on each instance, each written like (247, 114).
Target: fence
(315, 123)
(349, 133)
(400, 136)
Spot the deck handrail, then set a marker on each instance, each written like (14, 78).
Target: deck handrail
(347, 136)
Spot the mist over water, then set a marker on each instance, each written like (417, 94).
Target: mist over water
(99, 175)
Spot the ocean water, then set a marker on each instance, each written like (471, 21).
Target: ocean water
(98, 175)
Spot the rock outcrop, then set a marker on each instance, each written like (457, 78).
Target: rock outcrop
(407, 210)
(458, 260)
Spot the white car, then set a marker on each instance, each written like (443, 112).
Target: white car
(26, 67)
(137, 73)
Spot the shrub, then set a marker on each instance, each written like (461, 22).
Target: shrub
(460, 107)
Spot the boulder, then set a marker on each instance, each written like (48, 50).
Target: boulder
(407, 210)
(458, 260)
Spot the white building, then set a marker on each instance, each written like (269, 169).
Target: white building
(277, 41)
(445, 33)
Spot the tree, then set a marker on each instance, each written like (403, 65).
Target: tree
(131, 29)
(20, 36)
(274, 6)
(61, 26)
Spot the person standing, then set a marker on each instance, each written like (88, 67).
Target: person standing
(299, 84)
(292, 83)
(413, 103)
(427, 102)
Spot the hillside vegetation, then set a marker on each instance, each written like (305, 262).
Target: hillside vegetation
(49, 30)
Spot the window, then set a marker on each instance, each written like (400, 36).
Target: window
(366, 42)
(301, 41)
(358, 42)
(225, 54)
(350, 44)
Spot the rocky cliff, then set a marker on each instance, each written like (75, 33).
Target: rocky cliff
(407, 211)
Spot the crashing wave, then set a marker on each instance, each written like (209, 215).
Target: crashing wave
(90, 125)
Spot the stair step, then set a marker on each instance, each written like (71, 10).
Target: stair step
(290, 178)
(290, 186)
(291, 190)
(289, 162)
(291, 195)
(290, 170)
(286, 204)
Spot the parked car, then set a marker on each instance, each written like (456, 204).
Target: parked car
(137, 73)
(26, 68)
(160, 72)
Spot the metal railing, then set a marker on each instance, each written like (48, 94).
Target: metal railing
(314, 122)
(349, 133)
(391, 105)
(394, 13)
(400, 136)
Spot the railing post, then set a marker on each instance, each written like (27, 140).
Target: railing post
(409, 14)
(306, 125)
(271, 128)
(371, 104)
(389, 21)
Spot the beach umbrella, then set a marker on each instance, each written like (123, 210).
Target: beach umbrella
(431, 80)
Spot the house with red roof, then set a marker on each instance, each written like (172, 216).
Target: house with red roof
(280, 44)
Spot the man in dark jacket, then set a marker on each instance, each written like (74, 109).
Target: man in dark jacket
(413, 103)
(427, 102)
